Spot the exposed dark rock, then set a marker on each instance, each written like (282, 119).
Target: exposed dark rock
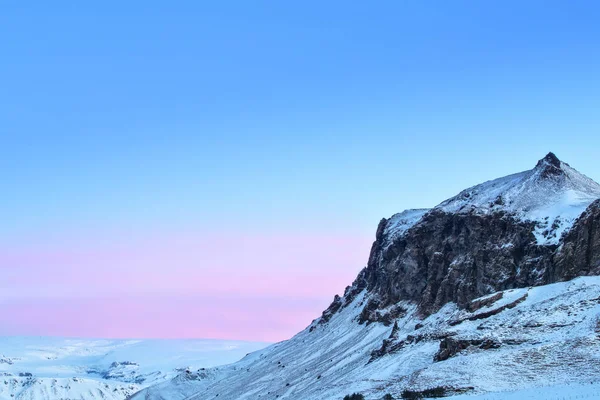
(371, 313)
(550, 166)
(513, 342)
(389, 317)
(388, 346)
(394, 333)
(6, 360)
(338, 303)
(489, 313)
(436, 392)
(579, 253)
(455, 257)
(486, 302)
(450, 346)
(458, 257)
(392, 345)
(332, 309)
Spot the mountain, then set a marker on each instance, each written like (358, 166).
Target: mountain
(494, 289)
(502, 234)
(37, 368)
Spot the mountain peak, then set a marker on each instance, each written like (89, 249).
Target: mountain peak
(553, 193)
(550, 165)
(551, 159)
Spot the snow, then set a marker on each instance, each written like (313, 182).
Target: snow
(400, 223)
(550, 338)
(559, 392)
(553, 202)
(39, 368)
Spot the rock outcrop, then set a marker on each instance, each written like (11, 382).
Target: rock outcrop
(456, 257)
(463, 250)
(579, 253)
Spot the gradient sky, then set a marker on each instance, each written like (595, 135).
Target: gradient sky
(218, 169)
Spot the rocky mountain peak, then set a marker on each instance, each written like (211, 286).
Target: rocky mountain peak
(552, 189)
(550, 165)
(550, 159)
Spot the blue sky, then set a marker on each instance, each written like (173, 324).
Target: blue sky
(146, 110)
(268, 117)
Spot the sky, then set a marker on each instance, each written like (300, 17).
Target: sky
(218, 169)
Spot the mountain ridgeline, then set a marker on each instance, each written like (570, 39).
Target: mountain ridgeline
(534, 228)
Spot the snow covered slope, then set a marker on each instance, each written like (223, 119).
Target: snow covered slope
(517, 339)
(589, 390)
(57, 368)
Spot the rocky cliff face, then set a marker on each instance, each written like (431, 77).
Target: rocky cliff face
(455, 257)
(579, 253)
(515, 232)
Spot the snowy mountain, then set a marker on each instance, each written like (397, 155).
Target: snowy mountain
(495, 289)
(35, 368)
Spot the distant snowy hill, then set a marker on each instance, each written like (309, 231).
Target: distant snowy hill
(496, 290)
(39, 368)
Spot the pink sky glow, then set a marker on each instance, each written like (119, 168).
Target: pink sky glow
(182, 286)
